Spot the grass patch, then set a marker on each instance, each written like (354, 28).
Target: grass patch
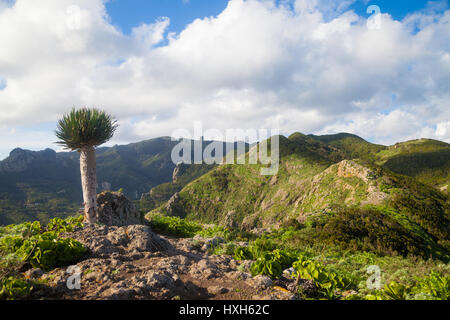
(174, 226)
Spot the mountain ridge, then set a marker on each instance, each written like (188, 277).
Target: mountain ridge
(42, 184)
(316, 181)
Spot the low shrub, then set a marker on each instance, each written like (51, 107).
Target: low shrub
(435, 285)
(371, 230)
(328, 282)
(272, 263)
(242, 253)
(12, 288)
(175, 226)
(68, 225)
(45, 251)
(216, 231)
(33, 244)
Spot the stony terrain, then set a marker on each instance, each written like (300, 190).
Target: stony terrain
(135, 263)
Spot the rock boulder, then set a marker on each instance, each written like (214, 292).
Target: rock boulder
(114, 209)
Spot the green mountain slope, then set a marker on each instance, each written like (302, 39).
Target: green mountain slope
(426, 160)
(45, 184)
(163, 192)
(315, 183)
(39, 185)
(352, 145)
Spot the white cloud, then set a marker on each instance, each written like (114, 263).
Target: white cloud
(315, 69)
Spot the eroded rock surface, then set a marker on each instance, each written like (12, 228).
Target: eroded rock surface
(114, 209)
(134, 263)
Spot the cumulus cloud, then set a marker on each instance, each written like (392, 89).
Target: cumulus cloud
(307, 65)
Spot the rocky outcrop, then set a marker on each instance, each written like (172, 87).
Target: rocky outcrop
(104, 241)
(179, 170)
(125, 263)
(114, 209)
(349, 168)
(230, 220)
(173, 206)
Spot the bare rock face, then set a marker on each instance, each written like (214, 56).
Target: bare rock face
(110, 242)
(230, 220)
(114, 209)
(349, 168)
(178, 171)
(250, 222)
(174, 207)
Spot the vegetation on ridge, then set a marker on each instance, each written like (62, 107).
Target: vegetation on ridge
(38, 247)
(352, 204)
(335, 272)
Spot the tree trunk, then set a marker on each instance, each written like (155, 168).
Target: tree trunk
(89, 183)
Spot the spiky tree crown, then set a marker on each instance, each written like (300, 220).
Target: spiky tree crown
(85, 127)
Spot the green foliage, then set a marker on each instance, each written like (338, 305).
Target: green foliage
(30, 243)
(396, 291)
(242, 253)
(435, 285)
(68, 225)
(369, 229)
(272, 263)
(334, 271)
(216, 231)
(10, 244)
(174, 226)
(227, 248)
(353, 146)
(328, 282)
(424, 205)
(12, 288)
(426, 160)
(26, 229)
(85, 127)
(262, 245)
(391, 291)
(47, 251)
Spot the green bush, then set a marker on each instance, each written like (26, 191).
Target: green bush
(391, 291)
(175, 226)
(262, 245)
(396, 291)
(242, 253)
(224, 249)
(368, 229)
(328, 282)
(47, 251)
(435, 285)
(26, 229)
(30, 243)
(216, 231)
(272, 263)
(14, 288)
(68, 225)
(10, 244)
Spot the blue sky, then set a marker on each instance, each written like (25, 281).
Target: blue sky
(314, 70)
(128, 14)
(398, 9)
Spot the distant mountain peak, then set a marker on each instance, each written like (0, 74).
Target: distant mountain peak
(20, 159)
